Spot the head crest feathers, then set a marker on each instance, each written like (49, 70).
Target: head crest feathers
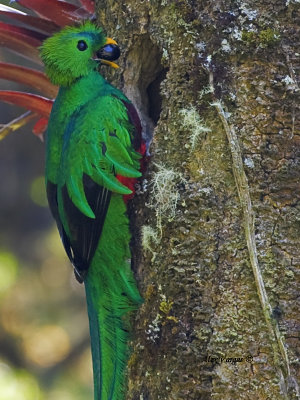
(63, 60)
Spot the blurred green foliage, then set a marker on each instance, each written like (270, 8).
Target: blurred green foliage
(18, 385)
(44, 341)
(38, 191)
(44, 337)
(8, 271)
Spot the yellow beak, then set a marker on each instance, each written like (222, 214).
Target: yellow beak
(110, 41)
(110, 63)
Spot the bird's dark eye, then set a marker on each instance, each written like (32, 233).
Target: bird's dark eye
(81, 45)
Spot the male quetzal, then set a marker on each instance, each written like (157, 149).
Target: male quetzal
(94, 148)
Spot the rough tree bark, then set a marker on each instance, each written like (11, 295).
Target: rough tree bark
(219, 265)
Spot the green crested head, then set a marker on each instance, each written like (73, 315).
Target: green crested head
(75, 51)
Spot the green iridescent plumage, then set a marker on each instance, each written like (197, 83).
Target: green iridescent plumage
(89, 142)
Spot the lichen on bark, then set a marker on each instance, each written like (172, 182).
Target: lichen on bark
(201, 307)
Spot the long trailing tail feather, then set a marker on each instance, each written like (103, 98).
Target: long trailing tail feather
(111, 293)
(95, 339)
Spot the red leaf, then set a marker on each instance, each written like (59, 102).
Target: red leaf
(33, 102)
(40, 24)
(38, 37)
(89, 5)
(58, 11)
(28, 76)
(22, 40)
(10, 9)
(40, 127)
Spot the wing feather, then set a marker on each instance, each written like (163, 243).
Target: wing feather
(98, 143)
(97, 146)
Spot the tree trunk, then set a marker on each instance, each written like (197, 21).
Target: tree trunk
(219, 211)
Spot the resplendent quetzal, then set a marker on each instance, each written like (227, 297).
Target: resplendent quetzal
(94, 148)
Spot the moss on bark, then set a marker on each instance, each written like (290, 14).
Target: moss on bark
(202, 332)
